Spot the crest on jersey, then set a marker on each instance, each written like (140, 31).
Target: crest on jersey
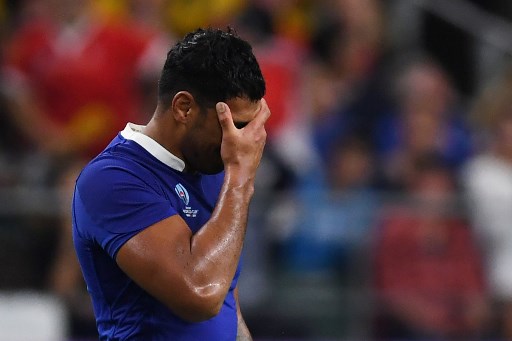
(182, 193)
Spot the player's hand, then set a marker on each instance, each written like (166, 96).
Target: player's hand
(242, 149)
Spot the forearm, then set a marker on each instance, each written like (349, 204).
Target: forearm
(200, 267)
(216, 248)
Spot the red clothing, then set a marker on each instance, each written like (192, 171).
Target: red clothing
(431, 265)
(279, 61)
(84, 83)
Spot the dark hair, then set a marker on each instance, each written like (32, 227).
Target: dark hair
(430, 161)
(213, 65)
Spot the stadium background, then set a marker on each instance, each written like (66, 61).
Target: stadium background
(347, 160)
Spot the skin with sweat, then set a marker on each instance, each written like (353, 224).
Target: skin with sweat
(201, 266)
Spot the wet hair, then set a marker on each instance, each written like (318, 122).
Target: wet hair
(213, 65)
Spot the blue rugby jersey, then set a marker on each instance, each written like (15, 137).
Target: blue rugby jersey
(132, 184)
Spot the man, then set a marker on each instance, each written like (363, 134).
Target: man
(157, 226)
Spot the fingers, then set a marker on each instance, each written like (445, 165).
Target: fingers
(265, 109)
(226, 119)
(262, 115)
(224, 116)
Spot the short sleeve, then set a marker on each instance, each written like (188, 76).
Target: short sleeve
(115, 201)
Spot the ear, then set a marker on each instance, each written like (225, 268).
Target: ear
(182, 104)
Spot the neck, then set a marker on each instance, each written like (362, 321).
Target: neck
(163, 130)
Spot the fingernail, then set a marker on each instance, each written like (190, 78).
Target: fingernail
(220, 107)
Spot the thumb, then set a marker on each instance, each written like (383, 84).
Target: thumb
(224, 116)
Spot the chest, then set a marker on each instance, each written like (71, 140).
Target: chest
(193, 199)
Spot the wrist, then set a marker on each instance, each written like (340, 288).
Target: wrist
(237, 178)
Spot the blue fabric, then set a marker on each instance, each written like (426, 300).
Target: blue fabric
(331, 227)
(456, 148)
(120, 193)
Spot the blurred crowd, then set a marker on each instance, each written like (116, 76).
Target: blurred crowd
(380, 171)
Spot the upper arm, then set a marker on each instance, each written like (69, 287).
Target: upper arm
(138, 226)
(115, 204)
(160, 260)
(125, 213)
(157, 260)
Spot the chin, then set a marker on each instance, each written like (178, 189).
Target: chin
(213, 169)
(204, 163)
(208, 166)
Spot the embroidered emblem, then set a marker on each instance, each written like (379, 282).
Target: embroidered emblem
(182, 193)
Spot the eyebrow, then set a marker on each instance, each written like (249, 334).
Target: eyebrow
(240, 125)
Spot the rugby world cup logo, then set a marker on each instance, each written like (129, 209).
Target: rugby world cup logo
(182, 193)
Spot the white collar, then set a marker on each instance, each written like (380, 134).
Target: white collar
(134, 132)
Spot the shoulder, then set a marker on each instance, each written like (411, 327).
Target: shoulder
(121, 158)
(484, 162)
(117, 196)
(112, 175)
(28, 43)
(108, 169)
(486, 171)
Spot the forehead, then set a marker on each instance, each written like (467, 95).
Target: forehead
(243, 110)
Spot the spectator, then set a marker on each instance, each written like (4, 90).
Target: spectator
(333, 213)
(183, 16)
(346, 81)
(12, 142)
(280, 59)
(58, 52)
(74, 80)
(488, 184)
(427, 119)
(429, 279)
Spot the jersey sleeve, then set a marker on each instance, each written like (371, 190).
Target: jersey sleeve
(114, 202)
